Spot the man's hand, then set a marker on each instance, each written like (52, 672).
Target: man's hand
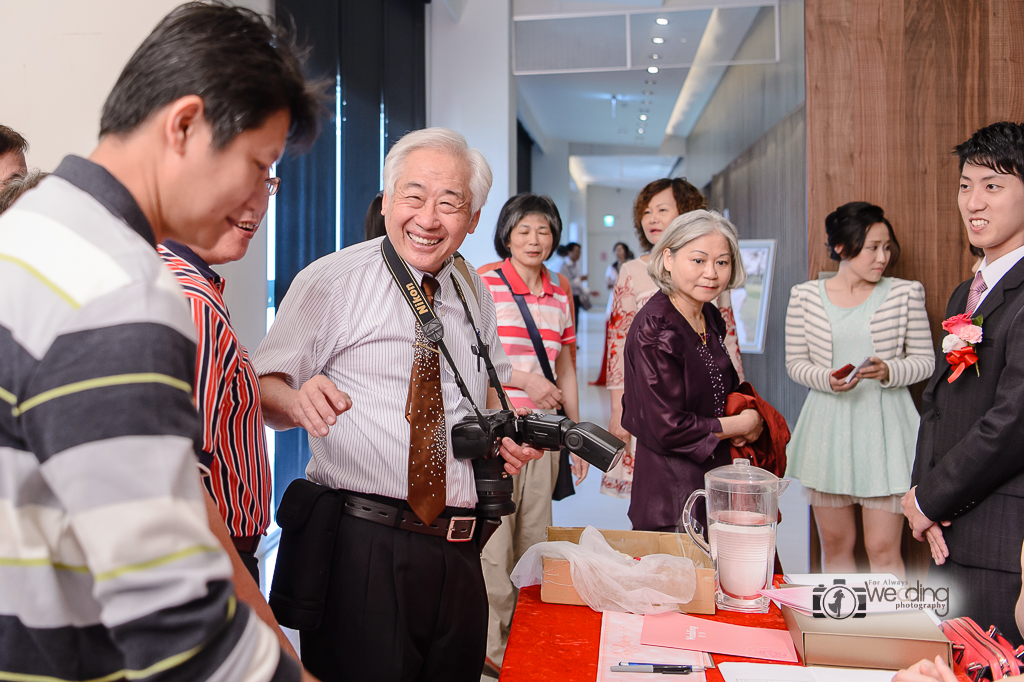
(542, 392)
(919, 523)
(580, 467)
(925, 529)
(875, 369)
(317, 404)
(516, 455)
(926, 671)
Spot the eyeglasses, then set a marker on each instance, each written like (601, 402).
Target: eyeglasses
(273, 184)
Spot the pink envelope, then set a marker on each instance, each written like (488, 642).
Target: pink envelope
(680, 631)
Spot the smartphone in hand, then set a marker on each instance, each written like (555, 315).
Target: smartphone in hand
(849, 372)
(843, 371)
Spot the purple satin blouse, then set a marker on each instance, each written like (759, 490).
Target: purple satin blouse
(675, 389)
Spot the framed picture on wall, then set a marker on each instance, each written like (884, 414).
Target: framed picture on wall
(750, 302)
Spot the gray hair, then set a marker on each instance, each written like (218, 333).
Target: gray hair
(683, 230)
(18, 184)
(444, 140)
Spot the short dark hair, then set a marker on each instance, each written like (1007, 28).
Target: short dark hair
(517, 208)
(12, 141)
(629, 252)
(245, 67)
(374, 224)
(848, 226)
(999, 146)
(18, 184)
(688, 198)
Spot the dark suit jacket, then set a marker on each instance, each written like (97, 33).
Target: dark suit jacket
(970, 449)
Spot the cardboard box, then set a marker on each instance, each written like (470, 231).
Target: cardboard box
(886, 641)
(557, 585)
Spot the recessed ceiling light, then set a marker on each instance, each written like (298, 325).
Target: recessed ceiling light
(652, 69)
(647, 93)
(650, 81)
(682, 40)
(646, 102)
(657, 41)
(640, 130)
(654, 56)
(643, 117)
(661, 21)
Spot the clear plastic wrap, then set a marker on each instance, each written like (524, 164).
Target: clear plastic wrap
(608, 580)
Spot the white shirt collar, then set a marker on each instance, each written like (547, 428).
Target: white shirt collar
(994, 271)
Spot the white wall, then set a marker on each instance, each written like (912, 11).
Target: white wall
(550, 176)
(600, 253)
(56, 70)
(751, 98)
(470, 89)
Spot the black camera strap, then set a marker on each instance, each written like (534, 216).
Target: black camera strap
(433, 329)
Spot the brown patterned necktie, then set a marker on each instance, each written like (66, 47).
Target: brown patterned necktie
(428, 443)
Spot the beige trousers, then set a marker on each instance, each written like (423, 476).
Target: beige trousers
(517, 533)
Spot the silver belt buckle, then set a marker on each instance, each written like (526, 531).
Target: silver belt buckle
(451, 528)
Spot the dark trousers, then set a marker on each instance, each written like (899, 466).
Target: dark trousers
(576, 312)
(251, 563)
(401, 606)
(985, 595)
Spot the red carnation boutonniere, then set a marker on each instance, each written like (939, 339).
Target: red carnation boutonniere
(964, 334)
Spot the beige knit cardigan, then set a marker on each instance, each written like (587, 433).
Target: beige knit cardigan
(899, 331)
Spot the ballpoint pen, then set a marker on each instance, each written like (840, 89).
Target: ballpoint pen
(664, 669)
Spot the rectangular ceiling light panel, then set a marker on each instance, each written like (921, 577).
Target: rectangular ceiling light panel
(570, 44)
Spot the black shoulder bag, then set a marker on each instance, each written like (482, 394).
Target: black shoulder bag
(563, 483)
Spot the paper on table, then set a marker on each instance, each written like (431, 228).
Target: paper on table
(687, 632)
(767, 672)
(620, 643)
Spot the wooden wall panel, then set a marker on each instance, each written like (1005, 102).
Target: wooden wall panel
(892, 87)
(765, 190)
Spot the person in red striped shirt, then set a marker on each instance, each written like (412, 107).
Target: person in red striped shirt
(529, 227)
(227, 390)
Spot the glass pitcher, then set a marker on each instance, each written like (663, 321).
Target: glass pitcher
(743, 510)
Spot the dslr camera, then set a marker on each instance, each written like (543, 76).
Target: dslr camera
(479, 439)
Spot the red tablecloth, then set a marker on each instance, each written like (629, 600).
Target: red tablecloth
(559, 642)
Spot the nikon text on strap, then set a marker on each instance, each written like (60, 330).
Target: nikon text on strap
(432, 327)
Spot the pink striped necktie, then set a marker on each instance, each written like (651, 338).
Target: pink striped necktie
(977, 289)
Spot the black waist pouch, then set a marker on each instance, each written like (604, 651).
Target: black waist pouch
(308, 517)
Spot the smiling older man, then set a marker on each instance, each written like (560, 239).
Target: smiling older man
(406, 597)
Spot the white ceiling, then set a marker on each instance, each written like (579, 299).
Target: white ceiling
(572, 56)
(620, 171)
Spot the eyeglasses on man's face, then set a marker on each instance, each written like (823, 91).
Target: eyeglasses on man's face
(273, 184)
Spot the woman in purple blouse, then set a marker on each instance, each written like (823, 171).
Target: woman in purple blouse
(678, 373)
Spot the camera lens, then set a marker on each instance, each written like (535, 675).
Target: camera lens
(493, 488)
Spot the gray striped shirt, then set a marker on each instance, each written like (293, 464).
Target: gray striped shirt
(345, 317)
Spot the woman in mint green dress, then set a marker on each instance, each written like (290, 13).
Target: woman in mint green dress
(854, 442)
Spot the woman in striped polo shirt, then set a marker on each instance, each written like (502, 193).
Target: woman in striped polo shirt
(854, 442)
(528, 230)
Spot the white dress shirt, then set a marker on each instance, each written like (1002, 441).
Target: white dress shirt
(994, 271)
(345, 317)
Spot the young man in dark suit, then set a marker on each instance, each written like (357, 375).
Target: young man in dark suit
(968, 494)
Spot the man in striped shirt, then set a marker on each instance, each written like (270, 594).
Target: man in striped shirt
(227, 391)
(108, 567)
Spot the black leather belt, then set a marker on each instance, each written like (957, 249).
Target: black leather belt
(449, 525)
